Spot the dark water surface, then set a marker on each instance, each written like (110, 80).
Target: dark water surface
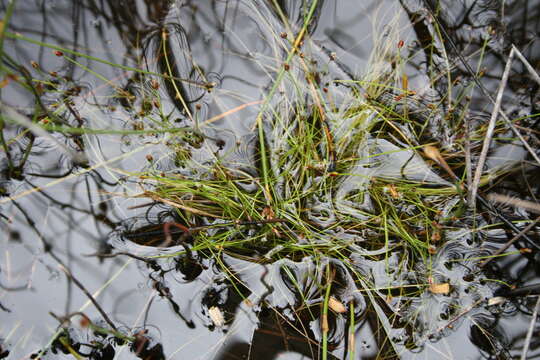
(230, 52)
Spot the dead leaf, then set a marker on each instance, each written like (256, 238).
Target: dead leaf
(440, 288)
(433, 153)
(217, 316)
(497, 300)
(336, 305)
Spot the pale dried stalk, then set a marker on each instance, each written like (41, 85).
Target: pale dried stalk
(528, 66)
(489, 134)
(530, 331)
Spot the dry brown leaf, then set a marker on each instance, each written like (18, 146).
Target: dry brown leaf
(497, 300)
(443, 288)
(432, 152)
(336, 305)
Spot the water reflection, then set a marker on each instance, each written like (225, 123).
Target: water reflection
(230, 52)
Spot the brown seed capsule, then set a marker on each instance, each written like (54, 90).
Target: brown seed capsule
(154, 84)
(283, 35)
(39, 88)
(34, 64)
(400, 44)
(58, 53)
(393, 191)
(286, 67)
(84, 322)
(150, 158)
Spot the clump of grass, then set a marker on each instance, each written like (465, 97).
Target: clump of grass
(342, 172)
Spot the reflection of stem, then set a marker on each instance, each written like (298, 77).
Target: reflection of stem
(64, 320)
(3, 308)
(140, 258)
(179, 96)
(509, 243)
(182, 229)
(459, 316)
(90, 297)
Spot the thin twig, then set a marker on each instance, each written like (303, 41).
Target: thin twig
(90, 297)
(507, 222)
(527, 65)
(530, 331)
(509, 243)
(459, 316)
(489, 134)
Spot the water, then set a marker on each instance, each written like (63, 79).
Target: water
(230, 52)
